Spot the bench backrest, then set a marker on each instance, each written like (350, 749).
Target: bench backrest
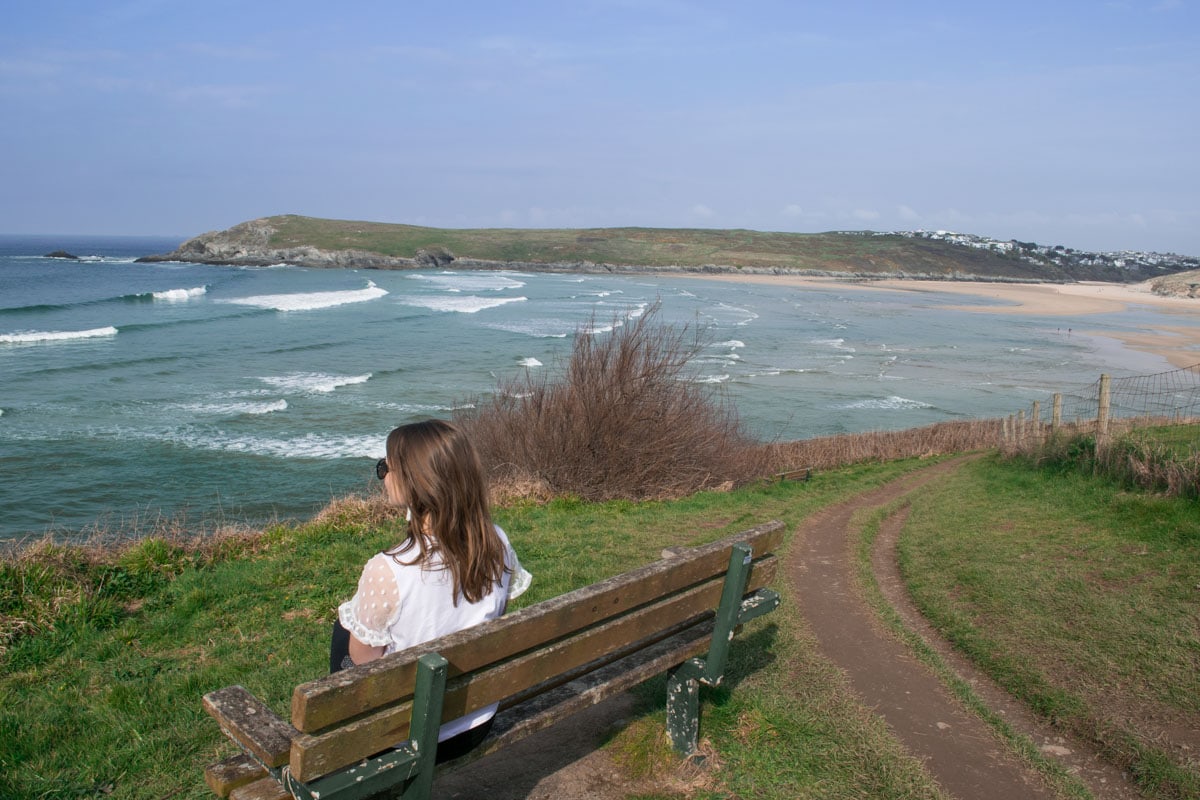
(346, 716)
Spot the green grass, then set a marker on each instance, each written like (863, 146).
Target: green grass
(106, 701)
(1075, 596)
(1178, 442)
(658, 247)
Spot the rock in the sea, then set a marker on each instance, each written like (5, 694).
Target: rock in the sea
(62, 254)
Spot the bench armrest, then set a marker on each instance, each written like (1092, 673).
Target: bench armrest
(257, 729)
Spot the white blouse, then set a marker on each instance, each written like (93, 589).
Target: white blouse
(400, 605)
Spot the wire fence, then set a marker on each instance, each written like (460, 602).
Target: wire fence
(1162, 397)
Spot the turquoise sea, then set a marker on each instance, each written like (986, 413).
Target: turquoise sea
(130, 391)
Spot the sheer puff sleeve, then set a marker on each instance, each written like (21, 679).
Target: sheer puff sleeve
(375, 606)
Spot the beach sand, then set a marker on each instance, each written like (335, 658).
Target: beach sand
(1178, 344)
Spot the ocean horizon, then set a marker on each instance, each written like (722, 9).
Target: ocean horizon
(207, 394)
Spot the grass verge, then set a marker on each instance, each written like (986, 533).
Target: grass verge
(1063, 783)
(1079, 598)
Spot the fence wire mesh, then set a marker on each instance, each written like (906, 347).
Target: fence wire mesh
(1157, 398)
(1162, 395)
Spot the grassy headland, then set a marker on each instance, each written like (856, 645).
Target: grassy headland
(652, 247)
(375, 245)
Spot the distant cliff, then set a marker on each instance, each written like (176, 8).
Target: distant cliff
(1181, 284)
(341, 244)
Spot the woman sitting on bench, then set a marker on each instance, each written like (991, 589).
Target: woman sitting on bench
(454, 570)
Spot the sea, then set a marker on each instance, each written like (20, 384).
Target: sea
(133, 394)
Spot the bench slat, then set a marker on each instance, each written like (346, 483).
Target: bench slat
(316, 755)
(544, 710)
(249, 722)
(343, 695)
(265, 789)
(225, 776)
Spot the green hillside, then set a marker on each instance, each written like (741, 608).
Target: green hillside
(660, 247)
(329, 243)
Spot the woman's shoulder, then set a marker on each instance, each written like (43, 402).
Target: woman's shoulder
(504, 539)
(379, 565)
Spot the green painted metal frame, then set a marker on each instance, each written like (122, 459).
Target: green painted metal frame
(405, 772)
(683, 682)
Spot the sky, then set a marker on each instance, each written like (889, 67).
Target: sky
(1063, 122)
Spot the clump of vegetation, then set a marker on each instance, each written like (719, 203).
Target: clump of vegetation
(1156, 458)
(47, 586)
(624, 421)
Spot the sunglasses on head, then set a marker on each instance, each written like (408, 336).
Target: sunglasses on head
(381, 468)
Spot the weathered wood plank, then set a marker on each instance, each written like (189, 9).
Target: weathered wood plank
(343, 695)
(265, 789)
(544, 710)
(247, 721)
(315, 755)
(225, 776)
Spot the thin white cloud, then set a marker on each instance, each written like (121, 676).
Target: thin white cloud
(230, 97)
(226, 53)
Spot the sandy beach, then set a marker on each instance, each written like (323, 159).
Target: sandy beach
(1178, 344)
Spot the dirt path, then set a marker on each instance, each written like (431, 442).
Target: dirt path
(958, 749)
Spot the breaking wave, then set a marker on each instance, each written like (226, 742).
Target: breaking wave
(313, 382)
(180, 295)
(310, 301)
(26, 337)
(893, 403)
(468, 304)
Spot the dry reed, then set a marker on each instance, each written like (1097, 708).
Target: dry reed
(831, 452)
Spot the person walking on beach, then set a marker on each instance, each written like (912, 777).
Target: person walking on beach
(454, 570)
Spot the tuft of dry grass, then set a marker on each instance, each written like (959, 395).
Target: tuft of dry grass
(360, 511)
(1152, 454)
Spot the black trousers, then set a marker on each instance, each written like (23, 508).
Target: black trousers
(452, 748)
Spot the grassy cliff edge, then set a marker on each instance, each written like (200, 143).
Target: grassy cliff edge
(312, 242)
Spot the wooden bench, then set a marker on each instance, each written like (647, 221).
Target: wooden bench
(372, 730)
(798, 474)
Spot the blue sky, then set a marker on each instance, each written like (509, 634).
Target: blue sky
(1074, 123)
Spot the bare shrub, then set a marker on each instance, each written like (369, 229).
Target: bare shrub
(625, 420)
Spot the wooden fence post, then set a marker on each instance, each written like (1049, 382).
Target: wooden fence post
(1102, 411)
(1056, 413)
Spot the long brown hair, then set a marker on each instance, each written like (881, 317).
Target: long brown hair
(441, 481)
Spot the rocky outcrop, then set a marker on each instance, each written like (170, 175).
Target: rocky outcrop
(62, 254)
(1181, 284)
(249, 245)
